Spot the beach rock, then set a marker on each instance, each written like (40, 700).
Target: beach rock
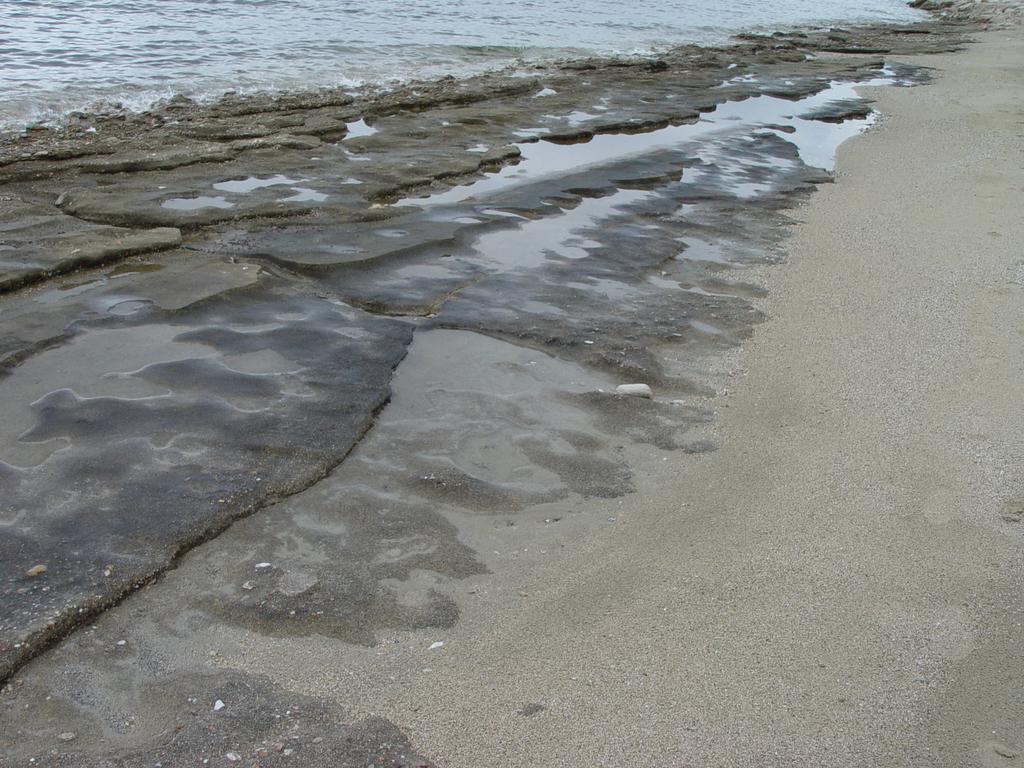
(35, 570)
(156, 159)
(634, 390)
(323, 125)
(44, 241)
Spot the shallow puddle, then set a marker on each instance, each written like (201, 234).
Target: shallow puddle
(304, 195)
(358, 129)
(815, 140)
(252, 183)
(559, 236)
(196, 203)
(131, 269)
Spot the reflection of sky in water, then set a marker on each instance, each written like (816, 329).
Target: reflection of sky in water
(196, 203)
(242, 186)
(247, 186)
(815, 141)
(535, 241)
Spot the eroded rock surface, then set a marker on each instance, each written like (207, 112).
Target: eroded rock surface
(166, 425)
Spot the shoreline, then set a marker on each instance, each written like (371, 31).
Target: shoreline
(75, 120)
(114, 221)
(279, 135)
(273, 258)
(366, 98)
(109, 108)
(840, 582)
(452, 318)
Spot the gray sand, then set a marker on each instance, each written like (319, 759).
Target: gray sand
(842, 585)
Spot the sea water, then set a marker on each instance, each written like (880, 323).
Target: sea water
(62, 55)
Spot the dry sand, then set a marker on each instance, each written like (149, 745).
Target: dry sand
(840, 583)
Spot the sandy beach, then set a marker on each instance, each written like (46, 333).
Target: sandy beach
(314, 451)
(840, 582)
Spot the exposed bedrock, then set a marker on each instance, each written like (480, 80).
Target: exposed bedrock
(147, 430)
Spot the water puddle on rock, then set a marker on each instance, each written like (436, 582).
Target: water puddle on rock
(816, 140)
(358, 129)
(67, 289)
(537, 240)
(132, 269)
(304, 195)
(237, 188)
(196, 203)
(252, 183)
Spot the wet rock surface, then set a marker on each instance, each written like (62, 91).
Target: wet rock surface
(219, 718)
(40, 241)
(170, 424)
(380, 332)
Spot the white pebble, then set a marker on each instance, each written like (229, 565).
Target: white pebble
(634, 390)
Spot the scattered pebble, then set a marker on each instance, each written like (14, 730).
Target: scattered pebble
(218, 705)
(261, 566)
(233, 757)
(35, 570)
(438, 644)
(634, 390)
(247, 585)
(67, 736)
(122, 642)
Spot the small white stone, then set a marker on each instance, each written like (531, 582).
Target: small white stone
(634, 390)
(261, 566)
(438, 644)
(218, 705)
